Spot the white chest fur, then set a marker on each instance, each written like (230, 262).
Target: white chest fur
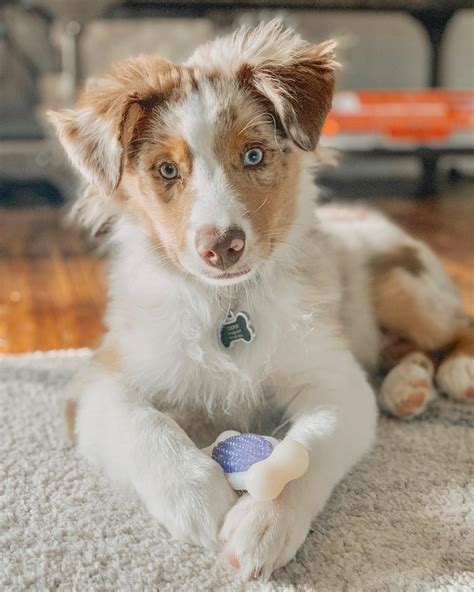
(168, 330)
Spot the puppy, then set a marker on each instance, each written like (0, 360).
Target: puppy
(202, 173)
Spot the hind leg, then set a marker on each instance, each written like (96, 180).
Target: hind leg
(455, 375)
(408, 387)
(416, 300)
(417, 305)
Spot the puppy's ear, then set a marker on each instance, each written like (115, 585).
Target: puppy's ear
(91, 135)
(96, 133)
(300, 88)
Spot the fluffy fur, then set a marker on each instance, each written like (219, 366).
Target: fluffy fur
(315, 288)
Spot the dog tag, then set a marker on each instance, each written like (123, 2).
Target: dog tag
(236, 328)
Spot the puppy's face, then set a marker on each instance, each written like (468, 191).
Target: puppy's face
(205, 156)
(213, 182)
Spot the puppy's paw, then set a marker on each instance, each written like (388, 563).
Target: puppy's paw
(408, 387)
(196, 503)
(261, 536)
(455, 378)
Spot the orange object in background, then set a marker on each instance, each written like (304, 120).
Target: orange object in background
(418, 117)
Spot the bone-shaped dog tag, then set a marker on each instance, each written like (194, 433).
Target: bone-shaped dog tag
(236, 328)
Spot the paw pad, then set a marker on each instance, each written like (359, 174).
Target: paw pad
(411, 404)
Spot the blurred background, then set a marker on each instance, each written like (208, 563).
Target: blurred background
(402, 120)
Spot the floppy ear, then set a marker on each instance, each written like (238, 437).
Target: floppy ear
(95, 134)
(300, 88)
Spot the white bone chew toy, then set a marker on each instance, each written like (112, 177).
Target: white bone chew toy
(260, 465)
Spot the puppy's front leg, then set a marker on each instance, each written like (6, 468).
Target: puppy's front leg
(144, 449)
(334, 416)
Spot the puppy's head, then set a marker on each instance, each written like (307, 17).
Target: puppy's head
(205, 155)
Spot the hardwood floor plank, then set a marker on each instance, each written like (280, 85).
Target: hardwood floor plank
(50, 303)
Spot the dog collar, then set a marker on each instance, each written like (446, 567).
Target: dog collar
(236, 327)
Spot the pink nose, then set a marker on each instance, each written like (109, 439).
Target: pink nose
(220, 249)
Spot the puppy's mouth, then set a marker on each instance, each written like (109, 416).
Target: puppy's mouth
(227, 278)
(231, 275)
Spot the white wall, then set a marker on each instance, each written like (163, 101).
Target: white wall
(458, 58)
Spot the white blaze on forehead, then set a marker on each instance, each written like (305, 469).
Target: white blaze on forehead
(215, 203)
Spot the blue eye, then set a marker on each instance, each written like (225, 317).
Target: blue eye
(253, 156)
(169, 170)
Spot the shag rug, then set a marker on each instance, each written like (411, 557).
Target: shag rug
(402, 520)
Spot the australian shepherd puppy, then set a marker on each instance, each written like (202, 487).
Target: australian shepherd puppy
(201, 170)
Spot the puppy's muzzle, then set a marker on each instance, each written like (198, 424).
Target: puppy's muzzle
(220, 249)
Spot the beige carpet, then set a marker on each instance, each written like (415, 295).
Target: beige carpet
(403, 520)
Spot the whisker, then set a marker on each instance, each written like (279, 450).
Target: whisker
(262, 204)
(251, 122)
(275, 132)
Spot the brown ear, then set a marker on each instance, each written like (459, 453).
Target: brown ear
(300, 89)
(96, 133)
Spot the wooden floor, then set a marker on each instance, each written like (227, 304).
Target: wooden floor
(52, 291)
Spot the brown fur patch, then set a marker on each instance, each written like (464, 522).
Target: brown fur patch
(162, 207)
(299, 92)
(399, 311)
(70, 417)
(272, 212)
